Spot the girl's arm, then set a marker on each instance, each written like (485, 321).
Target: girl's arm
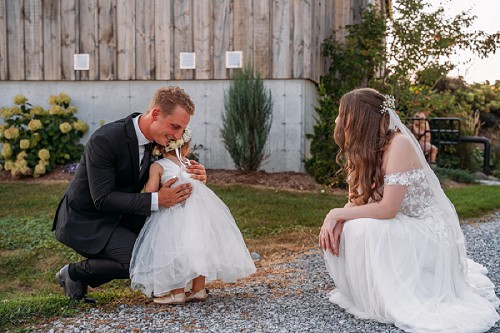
(401, 157)
(155, 172)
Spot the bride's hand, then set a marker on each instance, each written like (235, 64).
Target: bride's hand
(337, 233)
(326, 235)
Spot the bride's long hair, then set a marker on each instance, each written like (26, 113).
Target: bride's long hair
(362, 134)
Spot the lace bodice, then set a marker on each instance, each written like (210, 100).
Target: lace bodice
(419, 196)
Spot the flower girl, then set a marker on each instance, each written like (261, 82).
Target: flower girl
(183, 246)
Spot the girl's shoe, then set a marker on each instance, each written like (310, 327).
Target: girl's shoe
(198, 296)
(171, 299)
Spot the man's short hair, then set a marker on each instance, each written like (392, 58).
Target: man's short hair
(167, 98)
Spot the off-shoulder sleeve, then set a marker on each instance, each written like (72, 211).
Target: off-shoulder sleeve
(405, 178)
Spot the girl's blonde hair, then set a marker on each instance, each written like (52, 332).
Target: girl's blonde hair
(362, 134)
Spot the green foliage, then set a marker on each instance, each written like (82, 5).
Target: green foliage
(453, 97)
(24, 233)
(355, 62)
(413, 68)
(461, 176)
(247, 119)
(477, 107)
(322, 164)
(481, 97)
(35, 140)
(420, 44)
(421, 38)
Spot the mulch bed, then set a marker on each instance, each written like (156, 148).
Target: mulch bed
(283, 180)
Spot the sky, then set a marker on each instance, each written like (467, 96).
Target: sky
(478, 70)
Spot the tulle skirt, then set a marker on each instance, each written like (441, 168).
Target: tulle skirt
(180, 243)
(401, 271)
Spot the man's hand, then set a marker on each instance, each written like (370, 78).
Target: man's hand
(169, 196)
(197, 171)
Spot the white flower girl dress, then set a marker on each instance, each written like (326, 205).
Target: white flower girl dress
(198, 237)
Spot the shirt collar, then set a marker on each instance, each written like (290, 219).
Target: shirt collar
(141, 139)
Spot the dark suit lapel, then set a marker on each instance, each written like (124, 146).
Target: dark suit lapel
(133, 147)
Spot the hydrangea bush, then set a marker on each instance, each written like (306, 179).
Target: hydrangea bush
(34, 140)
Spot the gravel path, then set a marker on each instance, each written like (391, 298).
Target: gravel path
(284, 297)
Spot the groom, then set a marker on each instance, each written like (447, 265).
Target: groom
(103, 209)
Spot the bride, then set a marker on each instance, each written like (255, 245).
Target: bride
(396, 252)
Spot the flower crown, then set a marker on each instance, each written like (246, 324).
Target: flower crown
(173, 144)
(388, 104)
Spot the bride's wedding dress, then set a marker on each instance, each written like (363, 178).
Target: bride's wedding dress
(412, 270)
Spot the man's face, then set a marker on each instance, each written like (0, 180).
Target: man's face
(170, 127)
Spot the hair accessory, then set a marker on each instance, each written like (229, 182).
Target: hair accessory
(173, 144)
(388, 104)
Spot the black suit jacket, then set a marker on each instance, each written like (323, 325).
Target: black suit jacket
(105, 190)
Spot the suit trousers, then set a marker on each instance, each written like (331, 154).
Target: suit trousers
(111, 263)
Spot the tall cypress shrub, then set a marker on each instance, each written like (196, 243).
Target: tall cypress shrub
(247, 119)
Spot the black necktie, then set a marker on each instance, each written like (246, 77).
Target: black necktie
(145, 159)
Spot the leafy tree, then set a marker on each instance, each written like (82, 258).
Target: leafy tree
(355, 62)
(407, 57)
(419, 45)
(247, 119)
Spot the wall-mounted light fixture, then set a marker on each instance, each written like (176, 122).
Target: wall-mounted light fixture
(187, 60)
(234, 59)
(81, 62)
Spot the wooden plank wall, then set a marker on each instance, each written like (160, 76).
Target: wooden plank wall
(142, 39)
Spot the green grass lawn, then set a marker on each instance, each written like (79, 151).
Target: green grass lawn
(30, 256)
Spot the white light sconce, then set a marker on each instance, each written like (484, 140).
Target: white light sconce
(81, 62)
(187, 60)
(234, 59)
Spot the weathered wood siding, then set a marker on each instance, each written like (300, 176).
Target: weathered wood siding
(142, 39)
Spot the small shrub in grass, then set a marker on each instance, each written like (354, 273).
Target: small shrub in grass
(461, 176)
(35, 140)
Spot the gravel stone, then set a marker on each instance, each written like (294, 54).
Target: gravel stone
(294, 301)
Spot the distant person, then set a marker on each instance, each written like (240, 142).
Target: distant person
(396, 252)
(103, 209)
(421, 129)
(183, 246)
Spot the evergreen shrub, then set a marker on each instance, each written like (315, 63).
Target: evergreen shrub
(247, 119)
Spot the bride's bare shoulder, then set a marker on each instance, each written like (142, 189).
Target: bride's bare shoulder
(400, 155)
(400, 141)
